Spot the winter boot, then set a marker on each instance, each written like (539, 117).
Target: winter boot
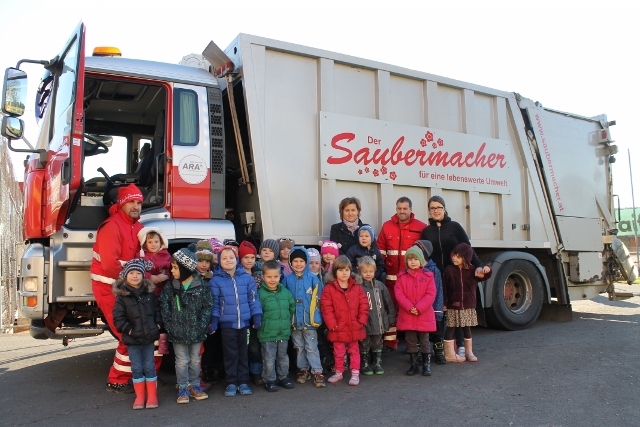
(426, 364)
(152, 392)
(413, 360)
(364, 363)
(139, 388)
(377, 362)
(355, 377)
(469, 350)
(450, 353)
(438, 349)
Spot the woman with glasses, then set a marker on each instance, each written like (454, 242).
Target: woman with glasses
(346, 231)
(445, 234)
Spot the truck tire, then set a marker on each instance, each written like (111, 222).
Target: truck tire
(517, 296)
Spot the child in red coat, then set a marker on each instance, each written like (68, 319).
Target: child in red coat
(345, 311)
(154, 249)
(415, 292)
(460, 287)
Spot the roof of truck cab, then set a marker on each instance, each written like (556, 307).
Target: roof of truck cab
(150, 70)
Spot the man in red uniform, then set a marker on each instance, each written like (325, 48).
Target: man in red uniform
(116, 243)
(396, 236)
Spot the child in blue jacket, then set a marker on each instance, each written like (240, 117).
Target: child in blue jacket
(235, 307)
(306, 289)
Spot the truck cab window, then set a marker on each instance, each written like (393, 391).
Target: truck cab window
(186, 120)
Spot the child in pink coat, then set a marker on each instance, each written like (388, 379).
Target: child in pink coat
(415, 292)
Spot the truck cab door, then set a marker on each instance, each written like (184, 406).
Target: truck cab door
(63, 172)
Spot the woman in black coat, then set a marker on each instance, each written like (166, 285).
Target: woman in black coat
(345, 233)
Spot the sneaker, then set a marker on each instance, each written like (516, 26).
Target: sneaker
(355, 377)
(335, 378)
(196, 392)
(231, 390)
(270, 387)
(183, 395)
(461, 352)
(303, 376)
(285, 383)
(244, 390)
(125, 388)
(318, 380)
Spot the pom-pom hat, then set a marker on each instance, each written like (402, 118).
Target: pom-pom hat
(136, 264)
(186, 258)
(246, 248)
(330, 247)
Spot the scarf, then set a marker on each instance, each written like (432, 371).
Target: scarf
(352, 226)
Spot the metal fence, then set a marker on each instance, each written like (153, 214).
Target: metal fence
(11, 216)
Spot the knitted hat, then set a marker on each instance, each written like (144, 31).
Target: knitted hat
(203, 250)
(246, 248)
(285, 242)
(215, 245)
(367, 227)
(125, 195)
(186, 258)
(298, 252)
(329, 247)
(465, 250)
(270, 244)
(314, 255)
(231, 248)
(415, 251)
(230, 242)
(426, 246)
(142, 237)
(136, 264)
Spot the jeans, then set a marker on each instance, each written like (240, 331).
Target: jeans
(187, 363)
(340, 348)
(306, 345)
(142, 362)
(275, 360)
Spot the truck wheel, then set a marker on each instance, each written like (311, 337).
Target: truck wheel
(517, 296)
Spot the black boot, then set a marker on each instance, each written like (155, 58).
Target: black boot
(364, 363)
(438, 349)
(377, 362)
(426, 364)
(413, 360)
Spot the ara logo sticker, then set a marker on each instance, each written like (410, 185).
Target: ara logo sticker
(192, 169)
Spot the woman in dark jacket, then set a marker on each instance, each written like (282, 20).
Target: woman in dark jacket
(346, 231)
(445, 234)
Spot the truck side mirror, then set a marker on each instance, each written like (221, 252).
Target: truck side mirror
(14, 92)
(12, 127)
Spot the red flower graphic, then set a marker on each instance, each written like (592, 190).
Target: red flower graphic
(434, 145)
(366, 170)
(375, 172)
(440, 142)
(360, 171)
(383, 170)
(423, 142)
(393, 176)
(429, 136)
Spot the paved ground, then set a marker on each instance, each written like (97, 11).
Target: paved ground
(580, 373)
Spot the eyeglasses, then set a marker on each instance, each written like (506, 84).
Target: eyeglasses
(437, 209)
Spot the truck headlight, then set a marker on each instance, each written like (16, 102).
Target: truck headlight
(30, 284)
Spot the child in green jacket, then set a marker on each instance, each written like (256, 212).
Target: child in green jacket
(278, 307)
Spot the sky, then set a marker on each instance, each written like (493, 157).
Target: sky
(574, 56)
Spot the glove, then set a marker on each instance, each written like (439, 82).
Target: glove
(257, 321)
(214, 325)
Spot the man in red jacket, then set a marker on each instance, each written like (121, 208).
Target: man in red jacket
(116, 243)
(396, 236)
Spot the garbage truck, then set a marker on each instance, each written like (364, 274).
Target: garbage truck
(264, 138)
